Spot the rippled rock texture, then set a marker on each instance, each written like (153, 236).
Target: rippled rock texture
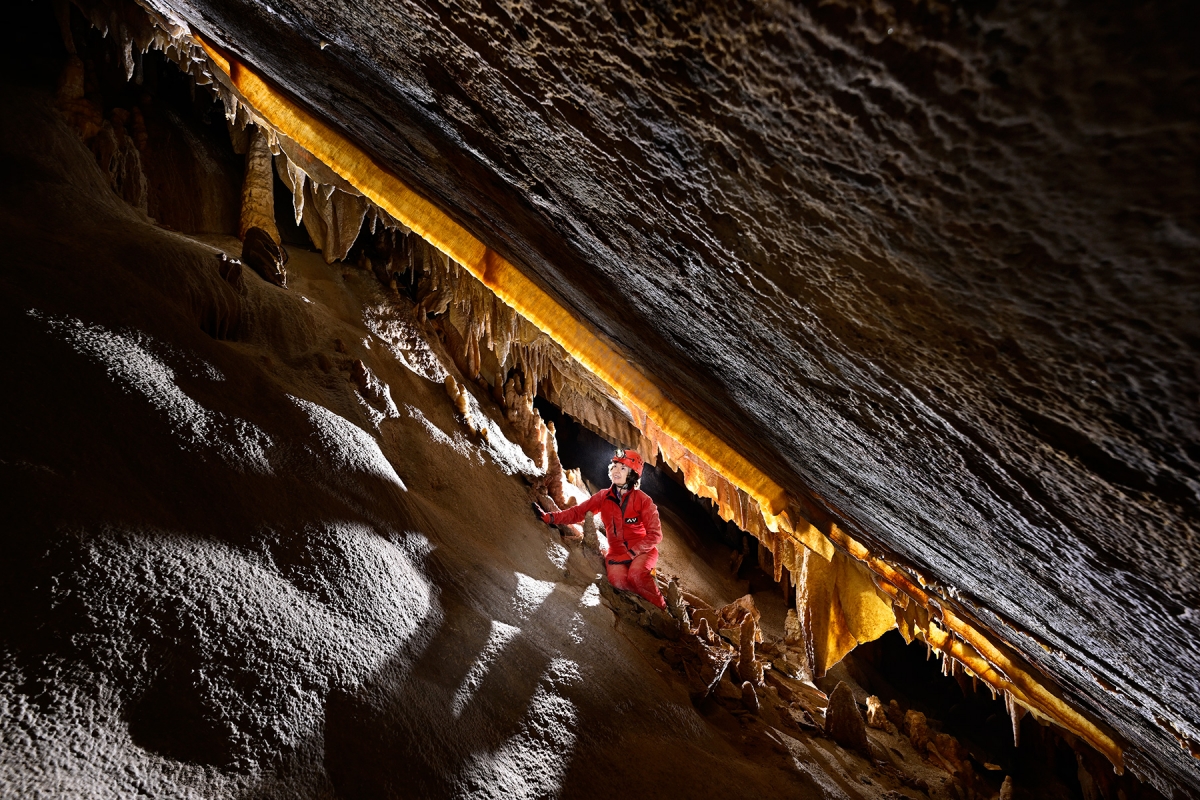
(935, 264)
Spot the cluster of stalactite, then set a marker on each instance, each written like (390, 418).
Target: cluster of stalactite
(845, 594)
(118, 140)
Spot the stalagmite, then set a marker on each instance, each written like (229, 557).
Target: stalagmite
(258, 190)
(750, 697)
(675, 603)
(591, 534)
(876, 717)
(894, 714)
(917, 729)
(705, 664)
(748, 668)
(844, 723)
(554, 470)
(458, 395)
(265, 256)
(1006, 788)
(519, 410)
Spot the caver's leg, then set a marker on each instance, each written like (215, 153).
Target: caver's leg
(641, 579)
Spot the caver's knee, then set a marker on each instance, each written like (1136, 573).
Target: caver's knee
(645, 562)
(618, 576)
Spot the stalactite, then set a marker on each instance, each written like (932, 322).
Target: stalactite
(839, 607)
(1016, 713)
(777, 564)
(258, 189)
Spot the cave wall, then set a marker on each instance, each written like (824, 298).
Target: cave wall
(933, 264)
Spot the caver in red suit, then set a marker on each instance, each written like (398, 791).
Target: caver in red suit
(631, 524)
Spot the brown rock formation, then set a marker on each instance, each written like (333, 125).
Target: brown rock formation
(839, 606)
(894, 714)
(266, 256)
(844, 722)
(258, 189)
(917, 729)
(876, 717)
(750, 697)
(748, 668)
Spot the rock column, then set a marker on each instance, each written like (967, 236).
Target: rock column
(258, 189)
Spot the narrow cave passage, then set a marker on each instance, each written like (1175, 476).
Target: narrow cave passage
(733, 559)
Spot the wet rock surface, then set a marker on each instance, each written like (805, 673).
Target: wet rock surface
(933, 263)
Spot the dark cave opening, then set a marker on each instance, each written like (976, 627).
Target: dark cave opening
(912, 676)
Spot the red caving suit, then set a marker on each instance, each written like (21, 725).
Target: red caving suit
(633, 532)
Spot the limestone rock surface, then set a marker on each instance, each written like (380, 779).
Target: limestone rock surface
(931, 266)
(227, 575)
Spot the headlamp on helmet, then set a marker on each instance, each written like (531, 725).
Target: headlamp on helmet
(631, 459)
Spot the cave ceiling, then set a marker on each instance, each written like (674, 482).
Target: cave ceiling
(932, 266)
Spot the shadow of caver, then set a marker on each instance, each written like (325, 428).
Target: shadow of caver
(399, 735)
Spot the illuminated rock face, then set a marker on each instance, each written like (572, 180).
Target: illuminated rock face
(934, 268)
(935, 265)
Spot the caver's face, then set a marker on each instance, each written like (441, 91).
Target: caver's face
(618, 473)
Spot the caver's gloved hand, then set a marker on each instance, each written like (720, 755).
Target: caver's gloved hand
(541, 514)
